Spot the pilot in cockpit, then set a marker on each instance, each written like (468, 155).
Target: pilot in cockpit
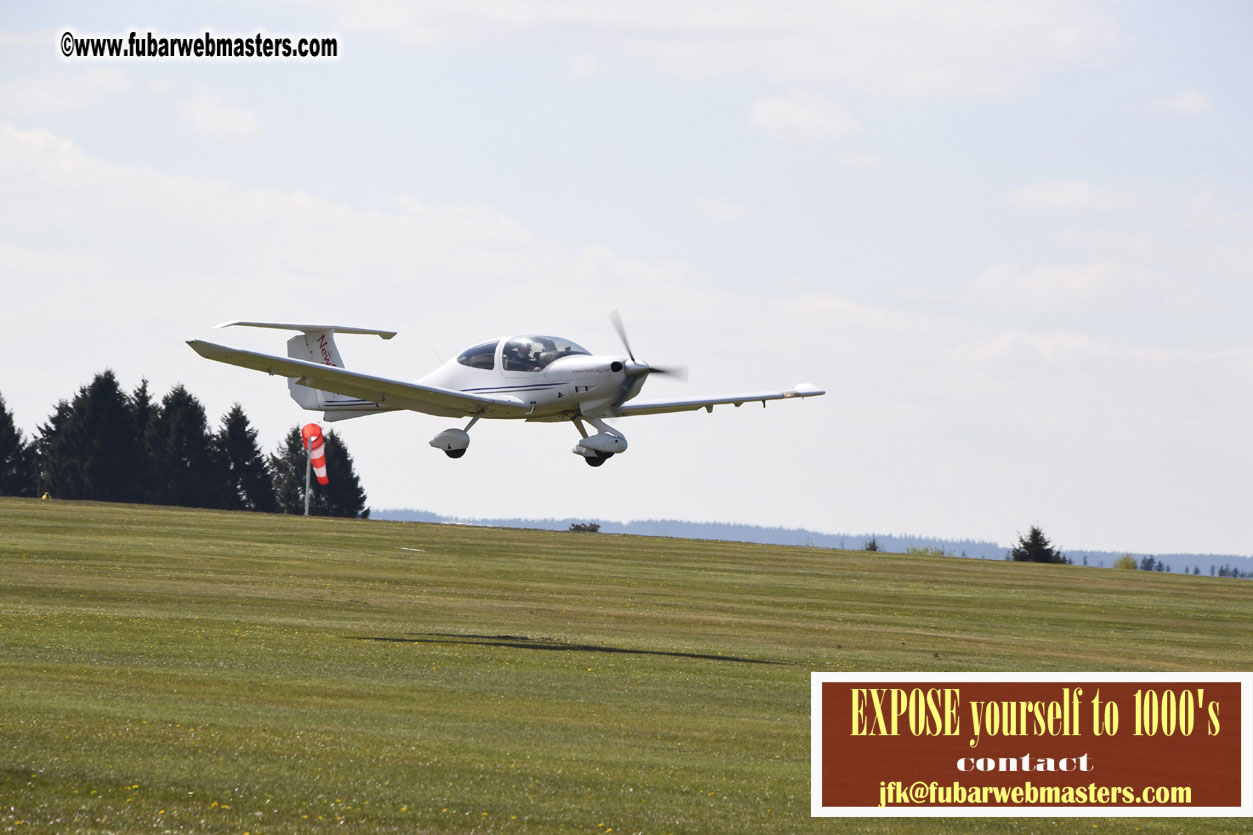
(520, 357)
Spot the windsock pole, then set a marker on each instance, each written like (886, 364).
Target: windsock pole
(308, 470)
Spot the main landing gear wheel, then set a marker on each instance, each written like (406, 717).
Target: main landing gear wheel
(454, 453)
(597, 460)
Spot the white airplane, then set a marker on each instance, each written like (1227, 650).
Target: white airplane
(535, 378)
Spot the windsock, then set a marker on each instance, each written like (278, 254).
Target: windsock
(317, 450)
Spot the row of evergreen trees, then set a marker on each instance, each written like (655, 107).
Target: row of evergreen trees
(106, 445)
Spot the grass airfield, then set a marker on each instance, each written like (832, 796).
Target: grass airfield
(176, 670)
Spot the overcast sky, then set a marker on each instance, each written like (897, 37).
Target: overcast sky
(1014, 242)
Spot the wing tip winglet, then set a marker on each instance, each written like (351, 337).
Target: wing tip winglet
(804, 390)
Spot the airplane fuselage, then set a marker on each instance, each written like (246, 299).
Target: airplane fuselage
(566, 388)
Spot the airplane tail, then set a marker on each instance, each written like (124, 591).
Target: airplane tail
(316, 343)
(318, 346)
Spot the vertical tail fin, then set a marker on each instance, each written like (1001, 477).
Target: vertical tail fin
(316, 343)
(316, 346)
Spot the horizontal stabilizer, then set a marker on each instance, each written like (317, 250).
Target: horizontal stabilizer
(288, 326)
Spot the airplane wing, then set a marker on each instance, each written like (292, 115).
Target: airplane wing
(657, 407)
(389, 393)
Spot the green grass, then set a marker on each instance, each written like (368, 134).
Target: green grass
(166, 669)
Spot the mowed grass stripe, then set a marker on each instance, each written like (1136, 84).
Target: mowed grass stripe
(228, 672)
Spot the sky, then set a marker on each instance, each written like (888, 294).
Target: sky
(1013, 241)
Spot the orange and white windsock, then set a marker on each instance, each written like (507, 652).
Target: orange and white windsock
(317, 450)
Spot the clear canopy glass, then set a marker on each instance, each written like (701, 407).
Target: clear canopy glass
(480, 356)
(535, 353)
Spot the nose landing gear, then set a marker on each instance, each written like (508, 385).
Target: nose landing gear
(599, 448)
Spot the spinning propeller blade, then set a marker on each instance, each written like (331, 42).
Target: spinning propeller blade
(643, 368)
(617, 325)
(677, 371)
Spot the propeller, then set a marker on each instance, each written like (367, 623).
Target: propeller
(637, 368)
(616, 318)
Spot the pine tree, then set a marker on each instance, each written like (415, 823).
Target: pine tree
(248, 482)
(17, 467)
(88, 448)
(144, 413)
(1035, 547)
(185, 471)
(287, 468)
(54, 468)
(343, 496)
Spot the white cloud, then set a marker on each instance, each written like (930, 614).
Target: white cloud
(1086, 285)
(585, 66)
(63, 90)
(863, 161)
(34, 38)
(1072, 196)
(1185, 103)
(847, 315)
(1062, 347)
(893, 47)
(217, 119)
(801, 116)
(1014, 346)
(1225, 247)
(1201, 211)
(724, 211)
(1106, 244)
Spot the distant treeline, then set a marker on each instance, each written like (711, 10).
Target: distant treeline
(1211, 564)
(728, 531)
(1128, 561)
(106, 445)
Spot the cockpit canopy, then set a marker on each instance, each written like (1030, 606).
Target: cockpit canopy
(534, 353)
(520, 353)
(480, 356)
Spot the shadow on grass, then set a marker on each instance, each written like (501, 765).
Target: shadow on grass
(523, 642)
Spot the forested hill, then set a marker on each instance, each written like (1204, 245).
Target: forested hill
(891, 543)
